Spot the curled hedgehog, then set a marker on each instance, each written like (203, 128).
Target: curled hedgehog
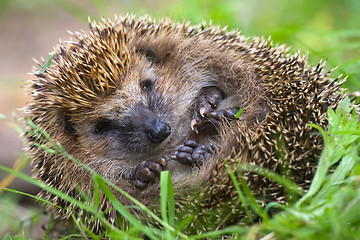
(132, 97)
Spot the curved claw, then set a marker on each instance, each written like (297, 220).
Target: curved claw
(207, 102)
(140, 184)
(228, 113)
(194, 124)
(203, 111)
(162, 161)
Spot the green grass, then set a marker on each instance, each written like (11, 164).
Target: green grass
(330, 209)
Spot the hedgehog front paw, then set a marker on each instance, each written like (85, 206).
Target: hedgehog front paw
(148, 172)
(207, 103)
(227, 113)
(206, 112)
(193, 153)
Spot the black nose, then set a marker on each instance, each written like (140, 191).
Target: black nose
(157, 130)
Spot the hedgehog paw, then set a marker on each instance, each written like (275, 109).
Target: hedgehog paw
(215, 118)
(207, 103)
(227, 113)
(148, 172)
(193, 153)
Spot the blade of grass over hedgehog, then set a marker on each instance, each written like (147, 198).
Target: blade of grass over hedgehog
(121, 208)
(248, 199)
(30, 195)
(237, 115)
(291, 186)
(81, 228)
(23, 160)
(167, 201)
(47, 63)
(231, 230)
(240, 193)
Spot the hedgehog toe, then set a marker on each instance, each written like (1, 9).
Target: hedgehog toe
(193, 153)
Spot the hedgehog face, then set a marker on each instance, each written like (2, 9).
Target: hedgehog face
(138, 121)
(137, 131)
(125, 132)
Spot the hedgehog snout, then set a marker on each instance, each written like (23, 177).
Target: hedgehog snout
(157, 130)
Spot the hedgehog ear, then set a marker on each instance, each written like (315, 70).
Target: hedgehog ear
(152, 56)
(166, 57)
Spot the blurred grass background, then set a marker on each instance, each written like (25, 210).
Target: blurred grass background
(327, 29)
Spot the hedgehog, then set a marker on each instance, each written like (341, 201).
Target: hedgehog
(132, 97)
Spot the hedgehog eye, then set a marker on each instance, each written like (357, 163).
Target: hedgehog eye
(146, 85)
(149, 54)
(103, 126)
